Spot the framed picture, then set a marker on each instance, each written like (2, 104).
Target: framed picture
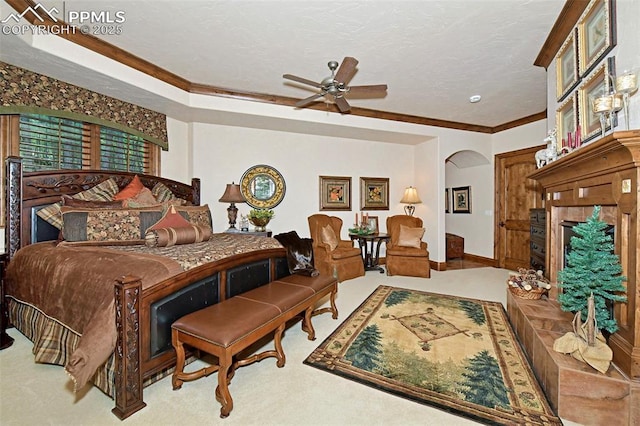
(594, 86)
(335, 193)
(374, 193)
(461, 199)
(567, 67)
(596, 33)
(567, 120)
(446, 200)
(373, 223)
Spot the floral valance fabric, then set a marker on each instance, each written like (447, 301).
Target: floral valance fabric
(23, 91)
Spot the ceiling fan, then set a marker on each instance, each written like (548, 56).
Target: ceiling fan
(336, 85)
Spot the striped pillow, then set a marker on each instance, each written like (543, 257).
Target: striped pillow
(167, 237)
(104, 191)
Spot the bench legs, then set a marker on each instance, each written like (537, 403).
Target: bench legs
(307, 326)
(226, 366)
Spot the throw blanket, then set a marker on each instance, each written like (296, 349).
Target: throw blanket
(75, 285)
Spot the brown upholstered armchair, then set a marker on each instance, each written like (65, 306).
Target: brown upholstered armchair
(406, 254)
(330, 253)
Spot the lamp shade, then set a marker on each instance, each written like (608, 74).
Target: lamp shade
(232, 194)
(410, 196)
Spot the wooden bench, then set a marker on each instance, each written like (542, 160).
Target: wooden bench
(230, 326)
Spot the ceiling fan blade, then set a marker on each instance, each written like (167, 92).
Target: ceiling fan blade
(342, 104)
(306, 101)
(301, 80)
(374, 88)
(346, 70)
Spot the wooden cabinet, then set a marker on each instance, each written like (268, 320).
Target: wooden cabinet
(455, 246)
(537, 218)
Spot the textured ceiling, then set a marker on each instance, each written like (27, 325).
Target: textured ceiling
(432, 54)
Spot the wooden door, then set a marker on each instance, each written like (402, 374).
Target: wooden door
(515, 195)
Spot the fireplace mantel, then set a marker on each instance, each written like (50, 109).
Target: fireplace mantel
(606, 173)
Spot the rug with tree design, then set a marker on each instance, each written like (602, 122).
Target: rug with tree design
(453, 353)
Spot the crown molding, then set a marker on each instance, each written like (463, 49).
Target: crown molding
(567, 19)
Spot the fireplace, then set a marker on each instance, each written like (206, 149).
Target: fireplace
(604, 172)
(568, 233)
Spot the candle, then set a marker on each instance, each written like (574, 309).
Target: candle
(603, 104)
(578, 137)
(616, 102)
(627, 83)
(356, 222)
(569, 140)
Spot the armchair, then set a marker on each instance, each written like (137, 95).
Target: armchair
(333, 256)
(406, 252)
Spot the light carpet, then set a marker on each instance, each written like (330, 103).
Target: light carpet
(263, 394)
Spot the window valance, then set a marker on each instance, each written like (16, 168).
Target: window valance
(23, 91)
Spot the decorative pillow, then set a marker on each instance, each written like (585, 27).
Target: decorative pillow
(72, 202)
(104, 191)
(410, 237)
(162, 192)
(171, 219)
(131, 190)
(144, 199)
(196, 215)
(167, 237)
(108, 224)
(328, 236)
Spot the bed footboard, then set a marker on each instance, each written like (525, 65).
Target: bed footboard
(128, 357)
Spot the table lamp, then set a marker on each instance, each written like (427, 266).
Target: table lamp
(410, 198)
(232, 195)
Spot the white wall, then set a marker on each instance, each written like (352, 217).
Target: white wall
(220, 154)
(223, 153)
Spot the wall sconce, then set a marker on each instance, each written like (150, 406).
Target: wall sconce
(232, 195)
(627, 84)
(410, 198)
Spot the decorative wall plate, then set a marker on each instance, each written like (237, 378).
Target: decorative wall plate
(262, 186)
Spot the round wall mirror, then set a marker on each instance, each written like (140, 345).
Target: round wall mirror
(262, 186)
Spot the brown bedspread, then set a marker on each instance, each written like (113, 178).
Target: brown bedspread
(75, 284)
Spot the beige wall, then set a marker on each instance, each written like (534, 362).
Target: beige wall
(221, 154)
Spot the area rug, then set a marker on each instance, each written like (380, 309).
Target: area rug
(456, 354)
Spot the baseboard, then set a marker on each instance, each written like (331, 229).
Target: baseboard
(438, 266)
(484, 260)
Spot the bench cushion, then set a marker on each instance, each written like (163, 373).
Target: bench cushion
(317, 283)
(244, 314)
(282, 295)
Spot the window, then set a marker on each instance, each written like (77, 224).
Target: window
(122, 151)
(47, 142)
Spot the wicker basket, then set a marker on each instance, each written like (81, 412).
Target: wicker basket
(533, 294)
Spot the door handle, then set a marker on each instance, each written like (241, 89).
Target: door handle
(501, 224)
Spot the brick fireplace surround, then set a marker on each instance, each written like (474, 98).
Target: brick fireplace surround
(605, 172)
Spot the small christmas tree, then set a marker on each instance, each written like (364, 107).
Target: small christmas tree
(592, 267)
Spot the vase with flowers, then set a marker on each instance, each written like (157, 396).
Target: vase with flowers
(260, 218)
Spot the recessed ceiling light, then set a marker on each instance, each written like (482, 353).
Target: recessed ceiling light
(475, 99)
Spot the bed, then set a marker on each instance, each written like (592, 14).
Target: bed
(142, 311)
